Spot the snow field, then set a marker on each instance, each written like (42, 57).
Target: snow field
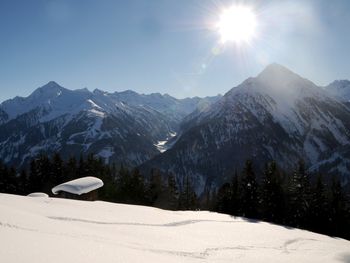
(59, 230)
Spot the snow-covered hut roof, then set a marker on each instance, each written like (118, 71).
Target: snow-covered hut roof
(37, 194)
(79, 186)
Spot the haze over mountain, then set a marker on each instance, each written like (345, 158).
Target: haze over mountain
(277, 115)
(340, 89)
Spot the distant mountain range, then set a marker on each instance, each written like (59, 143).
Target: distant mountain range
(277, 115)
(122, 127)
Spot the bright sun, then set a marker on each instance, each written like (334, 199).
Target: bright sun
(237, 24)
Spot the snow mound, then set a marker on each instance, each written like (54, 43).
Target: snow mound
(60, 230)
(38, 194)
(79, 186)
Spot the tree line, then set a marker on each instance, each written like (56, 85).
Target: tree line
(121, 184)
(293, 200)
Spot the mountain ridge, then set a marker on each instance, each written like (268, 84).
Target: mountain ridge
(53, 118)
(262, 119)
(277, 115)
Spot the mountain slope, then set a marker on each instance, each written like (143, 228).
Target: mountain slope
(277, 115)
(73, 122)
(176, 109)
(40, 229)
(340, 89)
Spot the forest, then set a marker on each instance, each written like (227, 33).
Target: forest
(294, 199)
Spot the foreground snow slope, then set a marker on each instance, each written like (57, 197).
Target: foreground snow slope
(36, 229)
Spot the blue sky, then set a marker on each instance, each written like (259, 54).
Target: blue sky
(163, 45)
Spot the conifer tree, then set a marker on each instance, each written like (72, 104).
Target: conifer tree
(249, 189)
(3, 178)
(57, 169)
(188, 198)
(9, 182)
(172, 193)
(35, 183)
(272, 195)
(23, 183)
(206, 201)
(123, 185)
(339, 213)
(70, 169)
(137, 187)
(155, 189)
(235, 206)
(223, 203)
(82, 169)
(213, 200)
(299, 199)
(43, 164)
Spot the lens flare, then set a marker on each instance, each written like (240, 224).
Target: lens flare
(237, 24)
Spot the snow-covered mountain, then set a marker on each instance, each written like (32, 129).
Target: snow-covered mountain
(41, 229)
(277, 115)
(174, 108)
(3, 116)
(121, 127)
(340, 89)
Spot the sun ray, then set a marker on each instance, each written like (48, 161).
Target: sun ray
(237, 24)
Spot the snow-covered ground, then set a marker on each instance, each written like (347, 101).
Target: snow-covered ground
(39, 229)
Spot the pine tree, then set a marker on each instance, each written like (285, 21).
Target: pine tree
(272, 195)
(70, 169)
(249, 190)
(35, 183)
(228, 199)
(299, 199)
(172, 193)
(155, 189)
(213, 200)
(188, 198)
(137, 188)
(57, 169)
(235, 196)
(44, 171)
(82, 169)
(205, 203)
(10, 181)
(23, 183)
(339, 214)
(123, 185)
(3, 170)
(223, 203)
(319, 207)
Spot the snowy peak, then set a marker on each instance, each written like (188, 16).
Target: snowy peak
(340, 84)
(275, 69)
(340, 89)
(42, 95)
(280, 84)
(50, 90)
(52, 85)
(281, 78)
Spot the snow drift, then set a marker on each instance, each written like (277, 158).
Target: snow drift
(61, 230)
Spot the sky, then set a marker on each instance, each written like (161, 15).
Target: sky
(165, 46)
